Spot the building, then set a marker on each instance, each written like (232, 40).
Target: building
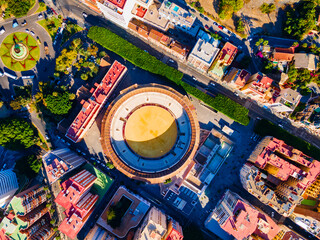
(28, 216)
(203, 54)
(259, 88)
(128, 143)
(287, 101)
(153, 227)
(241, 220)
(133, 209)
(8, 186)
(91, 108)
(237, 78)
(178, 17)
(122, 11)
(78, 202)
(174, 231)
(278, 175)
(306, 60)
(98, 233)
(59, 162)
(283, 54)
(223, 61)
(91, 4)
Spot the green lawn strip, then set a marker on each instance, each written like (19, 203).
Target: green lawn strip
(41, 9)
(102, 183)
(145, 61)
(32, 4)
(266, 128)
(53, 31)
(308, 202)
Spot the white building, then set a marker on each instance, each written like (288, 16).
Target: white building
(204, 53)
(154, 226)
(8, 186)
(179, 17)
(287, 101)
(121, 11)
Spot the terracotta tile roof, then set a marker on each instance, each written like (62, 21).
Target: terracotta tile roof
(119, 3)
(283, 54)
(156, 35)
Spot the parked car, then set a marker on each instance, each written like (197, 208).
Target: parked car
(211, 83)
(27, 30)
(201, 15)
(229, 31)
(206, 18)
(206, 27)
(2, 30)
(40, 16)
(38, 40)
(216, 24)
(15, 23)
(220, 27)
(84, 15)
(24, 23)
(32, 33)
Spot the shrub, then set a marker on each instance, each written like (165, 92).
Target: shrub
(59, 104)
(228, 7)
(267, 8)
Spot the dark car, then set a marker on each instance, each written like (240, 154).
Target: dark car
(206, 18)
(206, 27)
(201, 15)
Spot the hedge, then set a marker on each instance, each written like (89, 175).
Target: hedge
(220, 103)
(138, 57)
(133, 54)
(266, 128)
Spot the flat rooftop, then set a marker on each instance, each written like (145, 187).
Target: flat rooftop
(131, 218)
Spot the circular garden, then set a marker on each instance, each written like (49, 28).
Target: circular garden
(19, 51)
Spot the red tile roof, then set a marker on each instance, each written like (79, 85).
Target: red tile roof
(242, 78)
(284, 54)
(261, 85)
(246, 221)
(228, 51)
(74, 188)
(78, 202)
(119, 3)
(286, 168)
(77, 215)
(92, 107)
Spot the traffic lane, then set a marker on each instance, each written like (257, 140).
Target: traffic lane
(292, 225)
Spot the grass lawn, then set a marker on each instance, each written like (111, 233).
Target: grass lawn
(41, 9)
(102, 183)
(308, 202)
(51, 25)
(29, 62)
(266, 128)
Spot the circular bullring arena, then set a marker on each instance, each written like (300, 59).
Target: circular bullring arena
(150, 132)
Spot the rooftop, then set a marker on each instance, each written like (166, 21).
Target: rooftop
(283, 54)
(118, 3)
(131, 218)
(261, 84)
(306, 60)
(74, 188)
(92, 107)
(204, 51)
(58, 162)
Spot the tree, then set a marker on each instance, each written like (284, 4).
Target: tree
(1, 104)
(84, 76)
(76, 42)
(102, 54)
(265, 43)
(304, 45)
(228, 7)
(259, 42)
(52, 222)
(29, 165)
(18, 8)
(267, 8)
(16, 134)
(59, 104)
(240, 26)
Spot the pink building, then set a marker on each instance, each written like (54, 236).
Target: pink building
(78, 202)
(241, 220)
(174, 231)
(91, 108)
(259, 88)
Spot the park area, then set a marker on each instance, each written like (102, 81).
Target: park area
(19, 51)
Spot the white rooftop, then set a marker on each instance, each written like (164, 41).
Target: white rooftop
(205, 51)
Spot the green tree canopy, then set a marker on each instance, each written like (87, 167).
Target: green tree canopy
(16, 133)
(59, 104)
(267, 8)
(18, 8)
(228, 7)
(29, 165)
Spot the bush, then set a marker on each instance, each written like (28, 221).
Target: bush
(267, 8)
(133, 54)
(240, 26)
(266, 128)
(59, 104)
(228, 7)
(221, 103)
(16, 134)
